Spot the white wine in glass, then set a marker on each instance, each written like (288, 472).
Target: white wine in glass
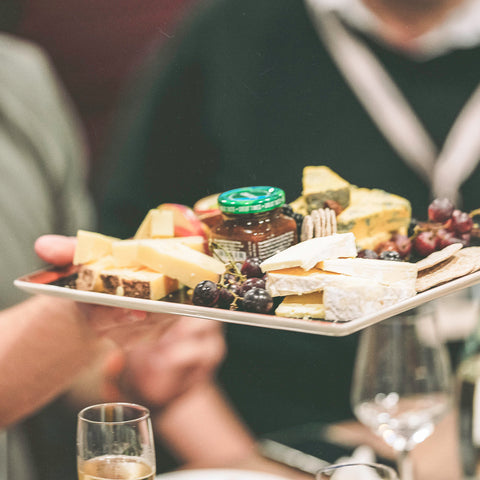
(402, 382)
(115, 442)
(357, 471)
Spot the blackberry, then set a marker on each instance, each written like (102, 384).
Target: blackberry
(391, 255)
(287, 210)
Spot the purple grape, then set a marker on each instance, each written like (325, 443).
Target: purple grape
(251, 268)
(225, 298)
(257, 300)
(253, 282)
(206, 294)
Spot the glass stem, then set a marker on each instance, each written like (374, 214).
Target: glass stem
(405, 465)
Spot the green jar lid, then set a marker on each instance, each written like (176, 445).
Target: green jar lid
(251, 200)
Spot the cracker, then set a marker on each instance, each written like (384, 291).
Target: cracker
(439, 256)
(317, 223)
(463, 262)
(307, 228)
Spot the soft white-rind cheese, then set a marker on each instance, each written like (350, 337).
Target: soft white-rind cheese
(308, 253)
(382, 271)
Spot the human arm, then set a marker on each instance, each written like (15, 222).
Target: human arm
(47, 341)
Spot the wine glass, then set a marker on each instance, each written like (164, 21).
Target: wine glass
(115, 442)
(402, 382)
(357, 471)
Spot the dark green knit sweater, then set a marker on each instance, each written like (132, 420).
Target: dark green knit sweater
(247, 95)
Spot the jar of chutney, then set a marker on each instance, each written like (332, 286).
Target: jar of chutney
(252, 224)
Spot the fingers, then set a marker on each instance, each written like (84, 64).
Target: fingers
(124, 326)
(56, 249)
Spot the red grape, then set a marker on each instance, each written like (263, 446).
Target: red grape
(403, 244)
(425, 243)
(251, 268)
(440, 210)
(461, 222)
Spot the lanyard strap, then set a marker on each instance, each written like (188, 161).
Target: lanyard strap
(444, 171)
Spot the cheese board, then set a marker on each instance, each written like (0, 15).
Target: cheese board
(55, 282)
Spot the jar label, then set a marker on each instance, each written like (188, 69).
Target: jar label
(241, 250)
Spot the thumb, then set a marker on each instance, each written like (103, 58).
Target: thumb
(56, 249)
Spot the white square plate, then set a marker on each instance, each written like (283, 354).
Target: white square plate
(40, 283)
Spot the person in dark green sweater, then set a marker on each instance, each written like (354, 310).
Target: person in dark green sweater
(252, 91)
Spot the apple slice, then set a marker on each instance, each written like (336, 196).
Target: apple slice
(185, 221)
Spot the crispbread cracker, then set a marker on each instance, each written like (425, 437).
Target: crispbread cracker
(320, 223)
(437, 257)
(463, 262)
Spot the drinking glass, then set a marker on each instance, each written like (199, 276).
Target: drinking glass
(357, 471)
(115, 442)
(402, 382)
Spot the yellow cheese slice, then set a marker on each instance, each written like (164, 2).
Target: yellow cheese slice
(178, 261)
(156, 224)
(138, 284)
(92, 246)
(88, 277)
(305, 306)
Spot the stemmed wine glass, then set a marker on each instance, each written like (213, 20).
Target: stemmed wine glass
(115, 442)
(358, 471)
(402, 382)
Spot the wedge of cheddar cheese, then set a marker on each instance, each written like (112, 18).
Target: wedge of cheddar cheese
(137, 284)
(92, 246)
(156, 224)
(125, 252)
(309, 306)
(180, 262)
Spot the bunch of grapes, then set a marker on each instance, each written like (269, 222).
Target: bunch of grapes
(446, 225)
(238, 289)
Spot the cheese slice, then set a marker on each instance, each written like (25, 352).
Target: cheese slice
(350, 302)
(186, 265)
(92, 246)
(308, 253)
(138, 284)
(88, 277)
(296, 281)
(156, 224)
(373, 213)
(302, 306)
(382, 271)
(125, 252)
(321, 184)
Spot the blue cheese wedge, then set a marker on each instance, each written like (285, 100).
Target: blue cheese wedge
(382, 271)
(321, 184)
(373, 215)
(308, 253)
